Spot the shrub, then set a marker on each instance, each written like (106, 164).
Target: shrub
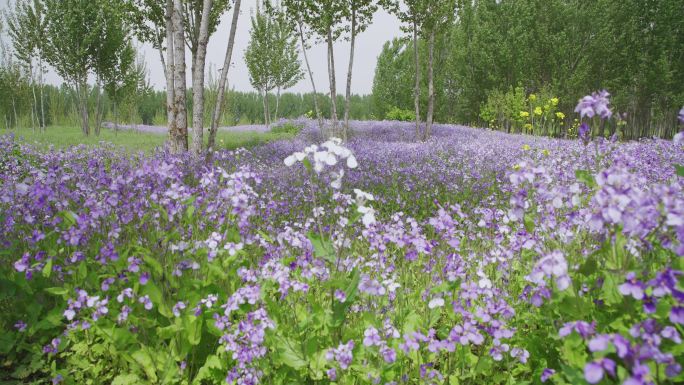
(400, 115)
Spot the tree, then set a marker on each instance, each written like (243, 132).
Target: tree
(295, 10)
(286, 66)
(218, 108)
(81, 38)
(27, 32)
(360, 14)
(125, 80)
(411, 14)
(324, 19)
(438, 17)
(259, 59)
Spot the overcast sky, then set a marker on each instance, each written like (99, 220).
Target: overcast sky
(368, 47)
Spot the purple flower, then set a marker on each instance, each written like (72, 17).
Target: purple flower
(144, 278)
(677, 315)
(593, 371)
(146, 301)
(595, 104)
(584, 132)
(388, 354)
(107, 283)
(20, 326)
(52, 347)
(371, 337)
(340, 295)
(546, 374)
(599, 343)
(332, 374)
(57, 379)
(178, 307)
(371, 286)
(22, 264)
(342, 354)
(632, 287)
(584, 329)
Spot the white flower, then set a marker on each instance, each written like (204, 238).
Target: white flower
(368, 215)
(436, 302)
(351, 162)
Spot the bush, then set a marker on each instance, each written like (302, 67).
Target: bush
(286, 127)
(400, 115)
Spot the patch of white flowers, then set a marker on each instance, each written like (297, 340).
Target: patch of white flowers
(333, 155)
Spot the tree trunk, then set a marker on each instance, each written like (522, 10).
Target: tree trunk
(34, 107)
(199, 62)
(218, 108)
(267, 112)
(416, 89)
(14, 108)
(179, 137)
(98, 107)
(275, 115)
(82, 92)
(175, 146)
(42, 99)
(347, 100)
(313, 83)
(431, 86)
(333, 85)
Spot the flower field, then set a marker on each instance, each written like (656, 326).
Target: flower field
(476, 257)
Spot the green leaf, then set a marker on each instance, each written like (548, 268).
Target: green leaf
(680, 170)
(127, 379)
(609, 292)
(586, 177)
(58, 291)
(69, 217)
(212, 369)
(193, 329)
(47, 270)
(289, 353)
(323, 248)
(153, 264)
(144, 359)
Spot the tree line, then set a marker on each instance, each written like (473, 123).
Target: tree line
(458, 61)
(564, 48)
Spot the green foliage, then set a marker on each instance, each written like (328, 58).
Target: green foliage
(287, 127)
(400, 115)
(634, 49)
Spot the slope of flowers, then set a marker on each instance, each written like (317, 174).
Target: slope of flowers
(473, 258)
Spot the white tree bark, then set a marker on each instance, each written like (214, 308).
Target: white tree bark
(416, 89)
(431, 86)
(174, 137)
(347, 101)
(180, 137)
(198, 80)
(333, 85)
(313, 83)
(218, 108)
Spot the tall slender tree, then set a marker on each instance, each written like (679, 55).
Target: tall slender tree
(324, 18)
(218, 108)
(411, 14)
(360, 14)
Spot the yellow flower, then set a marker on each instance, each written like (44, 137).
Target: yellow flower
(526, 147)
(528, 126)
(516, 167)
(538, 111)
(560, 115)
(554, 101)
(524, 114)
(545, 152)
(533, 97)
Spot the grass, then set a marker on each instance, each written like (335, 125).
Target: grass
(134, 141)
